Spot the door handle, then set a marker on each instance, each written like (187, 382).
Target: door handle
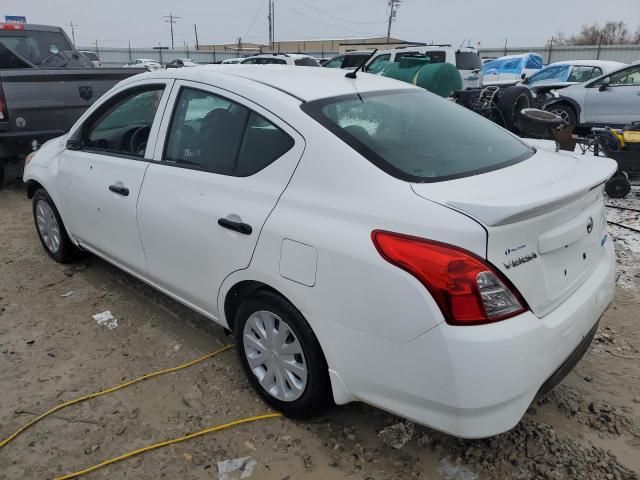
(239, 227)
(119, 189)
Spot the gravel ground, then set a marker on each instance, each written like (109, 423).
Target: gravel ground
(52, 350)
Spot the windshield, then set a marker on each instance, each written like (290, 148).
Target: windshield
(557, 73)
(416, 136)
(35, 46)
(468, 61)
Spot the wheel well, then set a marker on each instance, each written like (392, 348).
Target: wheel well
(238, 293)
(32, 186)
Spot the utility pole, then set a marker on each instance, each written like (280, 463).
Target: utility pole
(270, 19)
(73, 31)
(273, 21)
(393, 10)
(239, 45)
(171, 19)
(195, 29)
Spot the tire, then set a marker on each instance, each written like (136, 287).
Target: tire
(511, 102)
(617, 186)
(301, 395)
(48, 222)
(565, 111)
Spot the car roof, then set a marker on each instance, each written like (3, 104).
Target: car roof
(303, 83)
(280, 55)
(590, 63)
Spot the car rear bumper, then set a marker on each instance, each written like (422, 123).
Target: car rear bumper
(474, 381)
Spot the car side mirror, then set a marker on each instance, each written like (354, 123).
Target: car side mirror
(74, 144)
(604, 85)
(523, 76)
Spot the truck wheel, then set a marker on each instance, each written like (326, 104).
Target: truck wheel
(50, 228)
(566, 112)
(511, 102)
(617, 186)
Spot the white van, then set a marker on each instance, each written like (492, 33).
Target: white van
(466, 59)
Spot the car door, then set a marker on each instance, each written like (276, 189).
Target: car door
(221, 163)
(101, 171)
(618, 102)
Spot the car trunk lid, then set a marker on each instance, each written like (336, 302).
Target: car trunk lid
(544, 218)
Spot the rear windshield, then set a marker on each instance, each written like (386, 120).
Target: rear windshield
(468, 61)
(35, 46)
(265, 61)
(435, 56)
(355, 60)
(416, 136)
(306, 62)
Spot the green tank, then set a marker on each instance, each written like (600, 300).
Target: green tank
(439, 78)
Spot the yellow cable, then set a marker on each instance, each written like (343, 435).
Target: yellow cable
(166, 443)
(109, 390)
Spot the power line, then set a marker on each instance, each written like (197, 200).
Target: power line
(320, 21)
(253, 22)
(73, 31)
(340, 18)
(171, 19)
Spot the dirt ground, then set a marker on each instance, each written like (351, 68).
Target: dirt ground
(52, 350)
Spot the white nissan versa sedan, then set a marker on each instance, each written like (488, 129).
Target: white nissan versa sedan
(363, 239)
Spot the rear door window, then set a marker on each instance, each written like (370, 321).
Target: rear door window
(212, 133)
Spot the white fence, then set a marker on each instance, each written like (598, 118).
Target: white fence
(550, 54)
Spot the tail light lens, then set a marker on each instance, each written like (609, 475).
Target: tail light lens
(4, 116)
(467, 289)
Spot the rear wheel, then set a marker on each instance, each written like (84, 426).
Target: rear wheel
(511, 102)
(50, 228)
(281, 355)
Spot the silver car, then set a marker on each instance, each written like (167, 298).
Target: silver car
(612, 99)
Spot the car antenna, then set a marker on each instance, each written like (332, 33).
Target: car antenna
(355, 72)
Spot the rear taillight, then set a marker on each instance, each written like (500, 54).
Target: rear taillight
(11, 26)
(468, 290)
(4, 115)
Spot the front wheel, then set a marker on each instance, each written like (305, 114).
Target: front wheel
(281, 356)
(50, 228)
(566, 112)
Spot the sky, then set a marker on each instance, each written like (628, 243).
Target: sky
(114, 23)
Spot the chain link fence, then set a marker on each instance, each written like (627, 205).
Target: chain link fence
(117, 57)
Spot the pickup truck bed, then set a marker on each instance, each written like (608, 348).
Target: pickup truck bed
(42, 99)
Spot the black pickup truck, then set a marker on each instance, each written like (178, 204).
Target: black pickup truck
(45, 85)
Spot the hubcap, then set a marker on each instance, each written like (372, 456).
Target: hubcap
(48, 226)
(562, 114)
(275, 356)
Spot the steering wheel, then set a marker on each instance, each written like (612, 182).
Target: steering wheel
(138, 142)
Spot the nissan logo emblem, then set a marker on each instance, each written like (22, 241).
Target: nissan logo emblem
(589, 225)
